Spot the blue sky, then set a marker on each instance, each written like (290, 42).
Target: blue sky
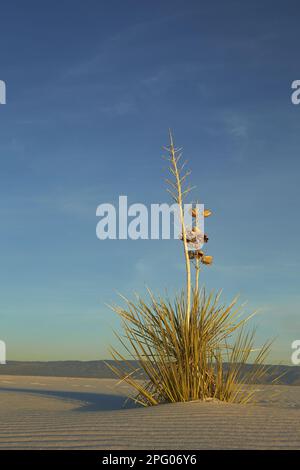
(92, 88)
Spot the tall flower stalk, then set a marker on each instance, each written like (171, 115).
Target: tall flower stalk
(197, 262)
(178, 194)
(179, 190)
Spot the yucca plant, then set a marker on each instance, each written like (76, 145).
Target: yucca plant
(192, 347)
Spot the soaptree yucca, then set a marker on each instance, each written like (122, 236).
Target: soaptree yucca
(191, 347)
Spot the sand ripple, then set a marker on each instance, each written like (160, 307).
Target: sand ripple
(58, 413)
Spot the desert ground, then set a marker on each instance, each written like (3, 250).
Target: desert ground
(85, 413)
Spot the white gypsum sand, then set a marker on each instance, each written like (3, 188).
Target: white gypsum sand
(82, 413)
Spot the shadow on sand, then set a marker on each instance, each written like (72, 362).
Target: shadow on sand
(89, 401)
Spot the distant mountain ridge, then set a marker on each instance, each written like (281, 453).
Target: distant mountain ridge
(99, 369)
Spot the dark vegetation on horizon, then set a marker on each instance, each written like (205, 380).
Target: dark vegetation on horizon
(98, 369)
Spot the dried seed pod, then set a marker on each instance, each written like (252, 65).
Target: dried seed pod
(207, 259)
(199, 254)
(195, 254)
(194, 212)
(207, 212)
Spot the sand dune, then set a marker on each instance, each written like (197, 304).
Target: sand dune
(80, 413)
